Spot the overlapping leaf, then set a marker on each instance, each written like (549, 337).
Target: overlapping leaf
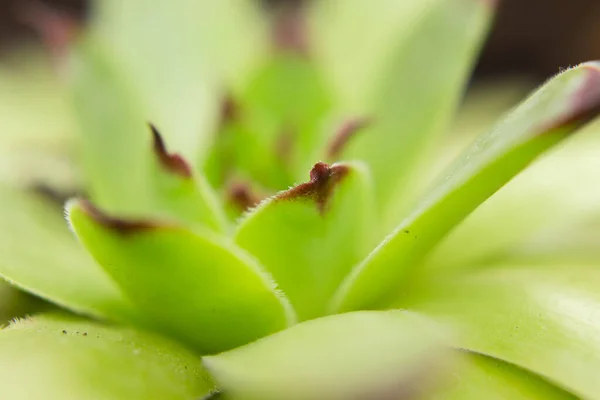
(545, 321)
(310, 236)
(547, 117)
(363, 355)
(40, 255)
(193, 286)
(129, 173)
(408, 76)
(62, 358)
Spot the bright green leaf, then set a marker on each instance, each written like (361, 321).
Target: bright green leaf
(192, 286)
(479, 377)
(40, 255)
(309, 240)
(550, 115)
(415, 58)
(545, 321)
(360, 355)
(63, 358)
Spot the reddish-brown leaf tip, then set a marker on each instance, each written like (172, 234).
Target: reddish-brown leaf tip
(323, 179)
(173, 162)
(121, 226)
(343, 135)
(584, 104)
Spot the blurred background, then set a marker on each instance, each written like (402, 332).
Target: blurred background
(531, 37)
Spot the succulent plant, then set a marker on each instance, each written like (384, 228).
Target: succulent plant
(203, 270)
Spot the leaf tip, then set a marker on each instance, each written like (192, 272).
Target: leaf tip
(172, 162)
(584, 104)
(323, 179)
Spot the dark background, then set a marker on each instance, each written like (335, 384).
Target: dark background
(534, 37)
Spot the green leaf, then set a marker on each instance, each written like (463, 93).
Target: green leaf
(550, 115)
(64, 358)
(192, 286)
(273, 126)
(310, 236)
(552, 197)
(360, 355)
(479, 377)
(398, 81)
(545, 321)
(179, 55)
(40, 255)
(128, 173)
(32, 98)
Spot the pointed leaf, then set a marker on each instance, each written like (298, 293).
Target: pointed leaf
(64, 358)
(310, 236)
(192, 286)
(129, 173)
(40, 255)
(360, 355)
(550, 115)
(479, 377)
(545, 321)
(409, 95)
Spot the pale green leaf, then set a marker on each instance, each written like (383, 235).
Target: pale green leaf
(40, 255)
(479, 377)
(127, 172)
(409, 75)
(362, 355)
(310, 243)
(179, 55)
(64, 358)
(545, 321)
(547, 117)
(552, 197)
(193, 286)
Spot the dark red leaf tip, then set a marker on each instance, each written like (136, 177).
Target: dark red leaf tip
(173, 162)
(121, 226)
(323, 179)
(344, 134)
(584, 105)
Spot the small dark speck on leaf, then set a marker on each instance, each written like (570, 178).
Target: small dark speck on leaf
(65, 332)
(84, 333)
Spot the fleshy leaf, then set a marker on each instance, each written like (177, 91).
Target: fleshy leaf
(40, 255)
(310, 236)
(274, 127)
(479, 377)
(362, 355)
(545, 321)
(64, 358)
(193, 286)
(397, 79)
(129, 169)
(550, 115)
(178, 55)
(552, 197)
